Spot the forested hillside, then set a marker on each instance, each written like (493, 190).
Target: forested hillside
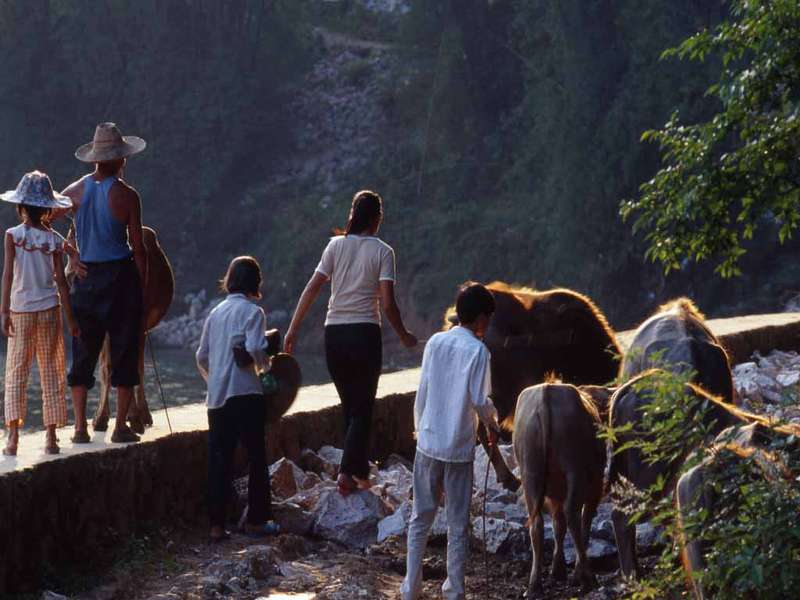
(502, 134)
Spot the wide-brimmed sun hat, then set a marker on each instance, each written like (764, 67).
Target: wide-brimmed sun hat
(109, 144)
(36, 189)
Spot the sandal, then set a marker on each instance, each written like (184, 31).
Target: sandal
(362, 484)
(345, 484)
(124, 435)
(81, 437)
(259, 531)
(216, 539)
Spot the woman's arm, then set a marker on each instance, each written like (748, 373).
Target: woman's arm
(307, 298)
(63, 292)
(392, 311)
(8, 275)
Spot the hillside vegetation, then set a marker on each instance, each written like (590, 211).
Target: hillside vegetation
(503, 135)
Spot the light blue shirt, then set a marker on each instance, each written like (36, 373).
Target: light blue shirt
(233, 321)
(453, 394)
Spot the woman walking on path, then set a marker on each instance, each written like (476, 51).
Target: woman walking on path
(34, 288)
(235, 399)
(361, 269)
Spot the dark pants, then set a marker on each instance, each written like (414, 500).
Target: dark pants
(107, 301)
(241, 417)
(354, 354)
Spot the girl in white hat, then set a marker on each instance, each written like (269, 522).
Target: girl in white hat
(33, 290)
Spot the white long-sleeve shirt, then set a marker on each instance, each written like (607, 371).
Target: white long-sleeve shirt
(453, 394)
(233, 321)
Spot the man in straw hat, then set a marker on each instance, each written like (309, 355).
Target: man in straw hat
(107, 299)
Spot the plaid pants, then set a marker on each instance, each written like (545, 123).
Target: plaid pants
(40, 335)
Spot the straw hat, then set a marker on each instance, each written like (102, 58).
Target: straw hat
(36, 189)
(109, 144)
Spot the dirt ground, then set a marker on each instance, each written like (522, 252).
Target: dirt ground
(182, 565)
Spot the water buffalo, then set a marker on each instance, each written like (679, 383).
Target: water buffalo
(676, 338)
(562, 461)
(627, 406)
(695, 491)
(534, 334)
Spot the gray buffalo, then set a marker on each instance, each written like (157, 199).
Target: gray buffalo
(627, 406)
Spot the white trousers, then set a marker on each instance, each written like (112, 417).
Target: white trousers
(432, 478)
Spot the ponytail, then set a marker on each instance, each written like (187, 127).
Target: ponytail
(366, 208)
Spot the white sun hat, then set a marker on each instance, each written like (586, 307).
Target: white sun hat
(36, 189)
(109, 144)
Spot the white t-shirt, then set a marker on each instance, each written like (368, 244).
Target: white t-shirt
(356, 264)
(33, 288)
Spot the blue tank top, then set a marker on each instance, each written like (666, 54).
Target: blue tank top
(101, 237)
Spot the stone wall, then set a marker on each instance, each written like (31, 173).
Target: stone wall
(63, 513)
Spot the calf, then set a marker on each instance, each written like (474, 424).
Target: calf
(695, 490)
(561, 461)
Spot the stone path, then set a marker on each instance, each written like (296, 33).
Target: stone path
(193, 417)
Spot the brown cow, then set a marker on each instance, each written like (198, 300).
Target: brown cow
(158, 293)
(694, 491)
(534, 334)
(627, 406)
(562, 461)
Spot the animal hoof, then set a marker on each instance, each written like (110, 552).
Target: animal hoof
(586, 582)
(534, 591)
(100, 423)
(136, 425)
(511, 484)
(559, 573)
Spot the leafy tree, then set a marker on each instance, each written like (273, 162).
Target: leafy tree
(723, 178)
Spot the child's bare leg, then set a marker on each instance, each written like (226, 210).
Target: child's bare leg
(13, 439)
(51, 443)
(79, 406)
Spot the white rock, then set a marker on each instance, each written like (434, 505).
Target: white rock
(48, 595)
(351, 520)
(788, 378)
(395, 524)
(331, 455)
(501, 535)
(286, 478)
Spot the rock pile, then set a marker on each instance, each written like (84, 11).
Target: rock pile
(307, 502)
(770, 385)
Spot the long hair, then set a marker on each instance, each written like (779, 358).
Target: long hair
(37, 215)
(366, 208)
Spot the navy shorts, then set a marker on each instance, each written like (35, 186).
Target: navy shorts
(107, 301)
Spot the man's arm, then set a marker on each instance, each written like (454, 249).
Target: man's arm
(135, 234)
(74, 191)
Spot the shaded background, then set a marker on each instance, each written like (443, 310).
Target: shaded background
(503, 136)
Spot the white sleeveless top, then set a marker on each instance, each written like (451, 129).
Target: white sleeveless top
(34, 286)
